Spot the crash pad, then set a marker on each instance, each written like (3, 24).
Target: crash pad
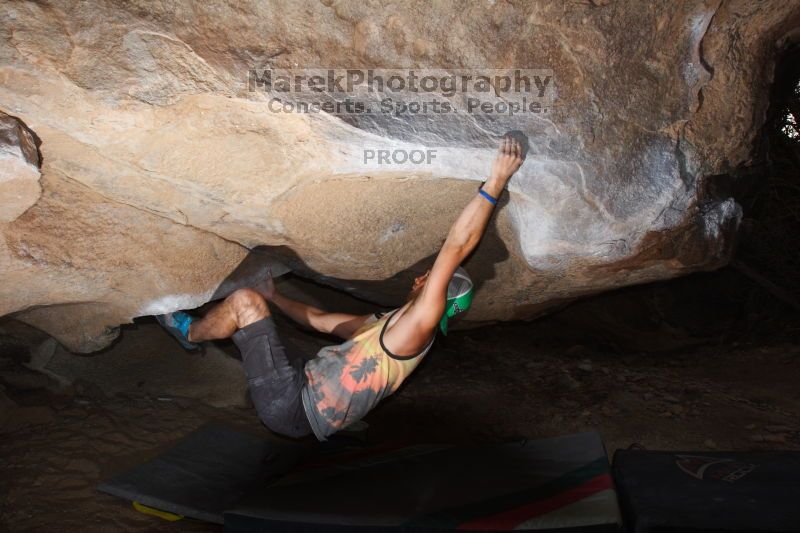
(701, 491)
(561, 483)
(205, 473)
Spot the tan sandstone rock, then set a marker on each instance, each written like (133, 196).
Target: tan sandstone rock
(19, 168)
(161, 168)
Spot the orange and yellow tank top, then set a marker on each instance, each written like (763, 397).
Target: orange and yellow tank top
(346, 381)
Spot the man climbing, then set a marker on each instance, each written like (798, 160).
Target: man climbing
(344, 382)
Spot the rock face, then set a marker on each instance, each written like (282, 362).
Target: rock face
(163, 163)
(19, 168)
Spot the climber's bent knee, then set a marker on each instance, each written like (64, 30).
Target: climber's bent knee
(248, 307)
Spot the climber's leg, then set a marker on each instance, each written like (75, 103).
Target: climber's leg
(242, 308)
(275, 375)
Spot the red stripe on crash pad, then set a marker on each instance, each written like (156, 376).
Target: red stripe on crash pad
(507, 520)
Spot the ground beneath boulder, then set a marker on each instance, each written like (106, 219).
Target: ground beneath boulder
(484, 385)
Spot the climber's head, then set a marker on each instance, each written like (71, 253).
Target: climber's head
(459, 297)
(459, 294)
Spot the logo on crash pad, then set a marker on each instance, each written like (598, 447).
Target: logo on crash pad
(716, 468)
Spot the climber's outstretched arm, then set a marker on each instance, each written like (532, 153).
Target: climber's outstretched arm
(417, 324)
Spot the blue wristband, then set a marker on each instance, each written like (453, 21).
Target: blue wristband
(491, 199)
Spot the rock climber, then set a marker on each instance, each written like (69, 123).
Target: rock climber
(323, 395)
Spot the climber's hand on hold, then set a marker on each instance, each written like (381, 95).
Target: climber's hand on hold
(508, 161)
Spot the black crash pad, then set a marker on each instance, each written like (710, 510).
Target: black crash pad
(700, 491)
(205, 473)
(562, 484)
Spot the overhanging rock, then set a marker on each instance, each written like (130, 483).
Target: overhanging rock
(161, 168)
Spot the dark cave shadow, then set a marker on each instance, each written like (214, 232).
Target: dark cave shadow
(411, 421)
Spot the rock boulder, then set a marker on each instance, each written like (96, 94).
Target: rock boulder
(163, 164)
